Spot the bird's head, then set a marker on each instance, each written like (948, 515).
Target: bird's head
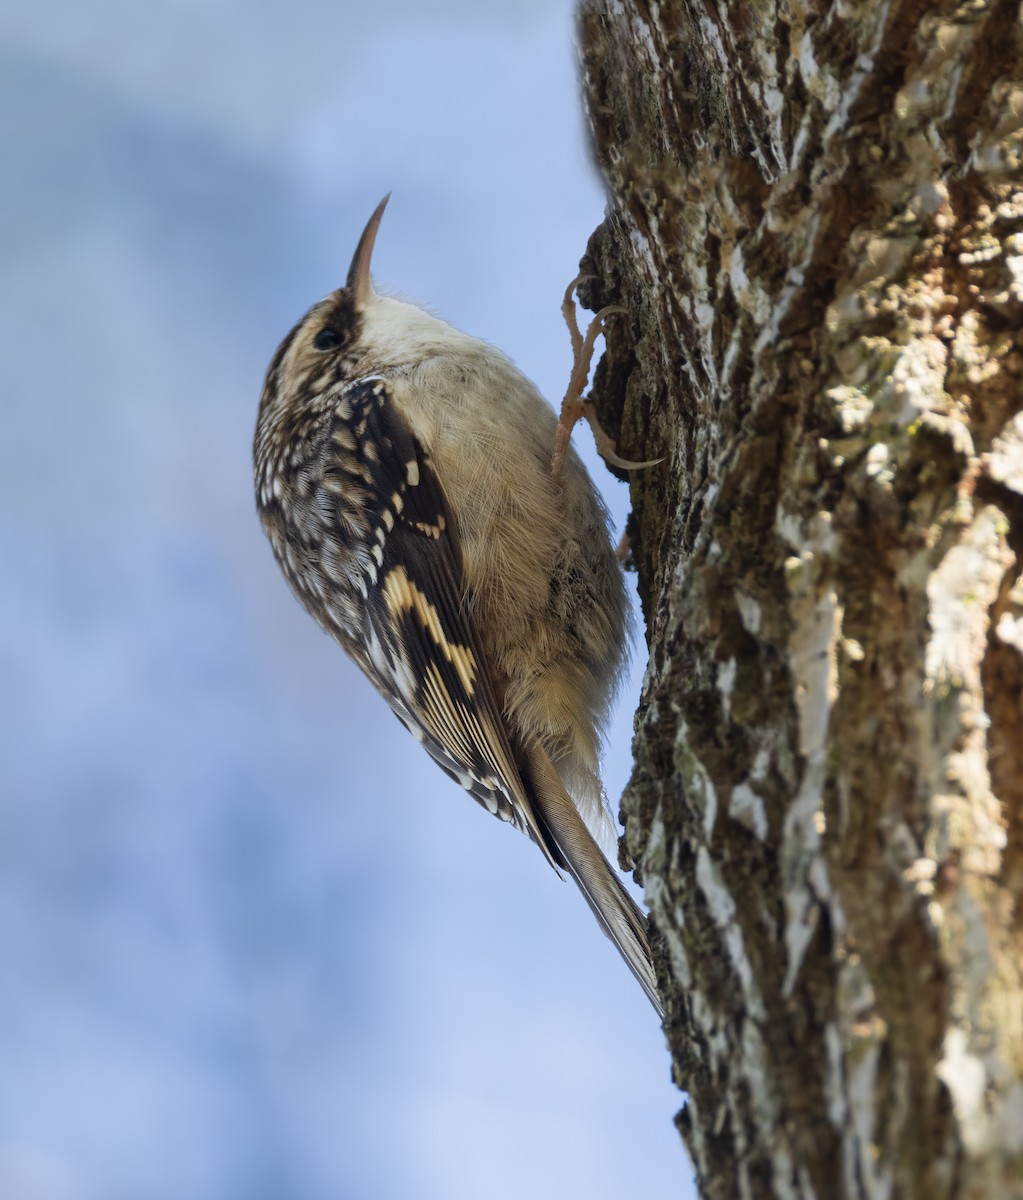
(352, 333)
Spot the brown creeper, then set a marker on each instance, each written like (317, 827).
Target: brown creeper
(403, 477)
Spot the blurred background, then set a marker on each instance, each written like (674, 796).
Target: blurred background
(253, 943)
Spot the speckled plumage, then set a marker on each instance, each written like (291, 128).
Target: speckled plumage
(403, 477)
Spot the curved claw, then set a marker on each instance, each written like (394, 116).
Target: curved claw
(606, 447)
(574, 284)
(626, 464)
(609, 311)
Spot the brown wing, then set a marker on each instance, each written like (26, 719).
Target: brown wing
(419, 642)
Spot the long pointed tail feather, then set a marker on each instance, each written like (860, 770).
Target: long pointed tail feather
(616, 911)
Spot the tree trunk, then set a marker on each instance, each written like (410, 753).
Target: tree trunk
(816, 225)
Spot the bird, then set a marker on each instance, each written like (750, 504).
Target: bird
(403, 474)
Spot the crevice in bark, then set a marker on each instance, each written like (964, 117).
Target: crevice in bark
(816, 225)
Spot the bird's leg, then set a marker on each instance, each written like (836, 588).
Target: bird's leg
(574, 406)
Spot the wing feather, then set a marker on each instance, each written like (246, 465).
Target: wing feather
(420, 645)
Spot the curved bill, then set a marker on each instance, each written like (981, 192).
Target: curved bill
(359, 282)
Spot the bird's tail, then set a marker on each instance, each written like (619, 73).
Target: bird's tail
(618, 914)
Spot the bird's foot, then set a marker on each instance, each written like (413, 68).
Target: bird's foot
(574, 406)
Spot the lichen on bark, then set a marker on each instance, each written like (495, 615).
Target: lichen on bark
(815, 222)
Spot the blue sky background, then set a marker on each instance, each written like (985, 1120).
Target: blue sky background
(255, 945)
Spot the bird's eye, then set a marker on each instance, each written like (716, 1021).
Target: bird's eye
(327, 339)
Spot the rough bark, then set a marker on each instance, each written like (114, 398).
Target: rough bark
(816, 225)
